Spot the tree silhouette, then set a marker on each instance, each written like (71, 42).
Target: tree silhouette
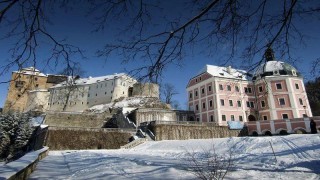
(156, 40)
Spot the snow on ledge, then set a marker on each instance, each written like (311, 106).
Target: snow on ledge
(12, 169)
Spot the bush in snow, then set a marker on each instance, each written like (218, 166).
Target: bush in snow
(15, 132)
(208, 165)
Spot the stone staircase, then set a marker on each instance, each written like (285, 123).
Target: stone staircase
(134, 143)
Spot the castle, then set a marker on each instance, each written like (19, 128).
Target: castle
(275, 91)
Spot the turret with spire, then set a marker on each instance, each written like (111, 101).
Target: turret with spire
(269, 54)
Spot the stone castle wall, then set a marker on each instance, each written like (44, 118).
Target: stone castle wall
(84, 120)
(86, 138)
(146, 89)
(184, 132)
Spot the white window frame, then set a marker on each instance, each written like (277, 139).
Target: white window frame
(297, 86)
(277, 86)
(222, 102)
(228, 88)
(220, 87)
(230, 102)
(237, 88)
(265, 118)
(283, 101)
(263, 105)
(285, 114)
(210, 103)
(240, 118)
(300, 101)
(232, 117)
(223, 117)
(260, 88)
(239, 103)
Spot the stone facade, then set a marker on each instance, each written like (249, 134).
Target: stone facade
(84, 120)
(86, 138)
(81, 94)
(184, 132)
(146, 89)
(24, 81)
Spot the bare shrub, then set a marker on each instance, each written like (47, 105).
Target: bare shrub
(208, 165)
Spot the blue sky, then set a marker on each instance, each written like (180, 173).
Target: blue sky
(78, 31)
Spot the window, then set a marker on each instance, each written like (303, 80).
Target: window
(105, 92)
(285, 116)
(19, 95)
(237, 88)
(228, 87)
(37, 85)
(223, 117)
(232, 117)
(251, 104)
(198, 119)
(36, 79)
(196, 80)
(202, 90)
(220, 87)
(200, 78)
(297, 86)
(240, 118)
(239, 103)
(81, 102)
(210, 103)
(260, 89)
(203, 105)
(263, 104)
(19, 84)
(265, 118)
(197, 107)
(230, 103)
(282, 101)
(87, 102)
(96, 94)
(196, 93)
(190, 95)
(211, 118)
(222, 102)
(209, 88)
(88, 95)
(247, 90)
(278, 86)
(300, 101)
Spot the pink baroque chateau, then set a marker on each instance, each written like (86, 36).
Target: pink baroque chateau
(275, 91)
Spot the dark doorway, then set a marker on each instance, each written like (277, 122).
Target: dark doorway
(130, 90)
(251, 118)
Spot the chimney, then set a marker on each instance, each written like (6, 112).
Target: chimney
(229, 69)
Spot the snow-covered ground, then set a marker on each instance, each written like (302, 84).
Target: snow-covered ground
(296, 157)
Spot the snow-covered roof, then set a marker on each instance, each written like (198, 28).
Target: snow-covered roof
(92, 80)
(226, 72)
(275, 67)
(30, 71)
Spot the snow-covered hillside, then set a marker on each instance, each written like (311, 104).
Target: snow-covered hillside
(133, 102)
(296, 157)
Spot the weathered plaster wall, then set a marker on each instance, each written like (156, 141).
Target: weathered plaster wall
(146, 89)
(86, 138)
(184, 132)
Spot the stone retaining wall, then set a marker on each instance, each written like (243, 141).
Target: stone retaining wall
(86, 138)
(184, 132)
(76, 120)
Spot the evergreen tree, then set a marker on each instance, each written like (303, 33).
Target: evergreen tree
(15, 132)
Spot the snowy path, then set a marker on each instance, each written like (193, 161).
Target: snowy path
(297, 157)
